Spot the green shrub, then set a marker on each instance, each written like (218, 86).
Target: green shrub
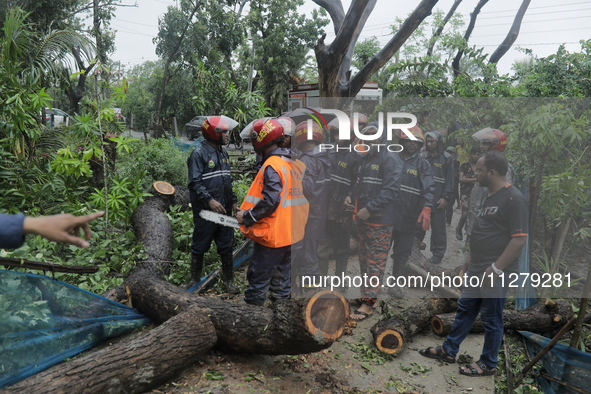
(159, 160)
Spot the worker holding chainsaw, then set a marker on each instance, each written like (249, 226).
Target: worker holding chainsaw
(274, 214)
(210, 188)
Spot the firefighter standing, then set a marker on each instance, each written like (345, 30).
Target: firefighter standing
(210, 188)
(273, 214)
(316, 184)
(372, 199)
(442, 168)
(344, 163)
(414, 204)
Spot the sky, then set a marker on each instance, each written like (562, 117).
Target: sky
(546, 25)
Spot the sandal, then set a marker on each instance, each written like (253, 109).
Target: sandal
(486, 370)
(358, 312)
(439, 354)
(359, 302)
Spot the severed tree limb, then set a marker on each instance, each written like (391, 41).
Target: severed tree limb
(51, 267)
(290, 327)
(437, 32)
(511, 36)
(130, 366)
(391, 334)
(456, 62)
(537, 318)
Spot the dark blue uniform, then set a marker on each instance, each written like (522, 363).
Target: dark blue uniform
(210, 178)
(11, 230)
(442, 167)
(316, 184)
(416, 192)
(344, 168)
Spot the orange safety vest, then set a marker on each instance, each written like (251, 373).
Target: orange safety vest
(287, 224)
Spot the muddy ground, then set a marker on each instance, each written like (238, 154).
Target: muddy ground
(351, 365)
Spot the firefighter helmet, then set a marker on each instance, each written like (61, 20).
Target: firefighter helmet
(301, 133)
(416, 131)
(497, 138)
(213, 127)
(265, 132)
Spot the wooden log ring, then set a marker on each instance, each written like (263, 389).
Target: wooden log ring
(389, 341)
(326, 314)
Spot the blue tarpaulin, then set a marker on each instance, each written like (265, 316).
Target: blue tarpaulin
(562, 362)
(43, 321)
(183, 146)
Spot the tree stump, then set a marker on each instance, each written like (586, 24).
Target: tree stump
(288, 327)
(133, 366)
(391, 334)
(538, 318)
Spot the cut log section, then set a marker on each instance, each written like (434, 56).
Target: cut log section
(391, 334)
(133, 366)
(163, 188)
(288, 327)
(538, 318)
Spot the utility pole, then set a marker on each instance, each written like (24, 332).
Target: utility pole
(251, 65)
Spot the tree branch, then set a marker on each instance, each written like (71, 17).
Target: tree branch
(456, 62)
(174, 51)
(104, 5)
(345, 67)
(441, 26)
(335, 10)
(422, 11)
(511, 36)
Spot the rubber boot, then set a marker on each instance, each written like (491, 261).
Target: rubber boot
(228, 273)
(196, 268)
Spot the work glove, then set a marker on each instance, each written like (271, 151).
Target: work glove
(425, 218)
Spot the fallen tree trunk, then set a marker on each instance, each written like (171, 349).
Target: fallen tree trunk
(391, 334)
(419, 265)
(290, 327)
(538, 318)
(132, 366)
(154, 231)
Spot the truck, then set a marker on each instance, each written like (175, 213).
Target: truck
(308, 95)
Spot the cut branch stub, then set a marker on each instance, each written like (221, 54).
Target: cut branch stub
(163, 188)
(391, 334)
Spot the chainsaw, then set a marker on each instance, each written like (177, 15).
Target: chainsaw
(218, 218)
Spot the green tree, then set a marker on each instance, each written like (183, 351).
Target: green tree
(282, 38)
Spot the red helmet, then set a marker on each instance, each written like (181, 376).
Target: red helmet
(301, 133)
(496, 137)
(288, 125)
(213, 127)
(362, 120)
(416, 131)
(265, 132)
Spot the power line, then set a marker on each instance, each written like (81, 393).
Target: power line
(382, 25)
(127, 30)
(135, 23)
(535, 8)
(537, 13)
(543, 20)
